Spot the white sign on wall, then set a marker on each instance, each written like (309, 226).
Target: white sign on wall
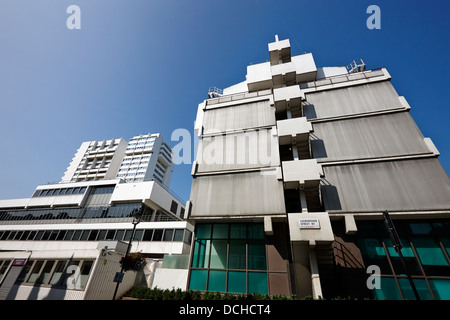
(310, 223)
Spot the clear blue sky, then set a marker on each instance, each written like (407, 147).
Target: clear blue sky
(140, 66)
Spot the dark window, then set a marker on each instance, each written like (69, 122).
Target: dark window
(174, 207)
(5, 235)
(61, 235)
(46, 235)
(119, 234)
(25, 235)
(148, 233)
(110, 235)
(39, 235)
(32, 235)
(76, 235)
(178, 235)
(138, 235)
(157, 235)
(128, 235)
(53, 235)
(93, 235)
(102, 235)
(84, 235)
(69, 235)
(168, 234)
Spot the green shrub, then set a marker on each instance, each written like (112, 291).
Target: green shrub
(178, 294)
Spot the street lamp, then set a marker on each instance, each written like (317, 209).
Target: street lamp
(137, 215)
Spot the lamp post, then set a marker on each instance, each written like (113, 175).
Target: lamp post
(398, 248)
(137, 215)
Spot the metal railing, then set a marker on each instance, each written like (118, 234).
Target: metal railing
(345, 77)
(239, 96)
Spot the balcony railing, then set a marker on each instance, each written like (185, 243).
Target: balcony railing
(238, 96)
(346, 77)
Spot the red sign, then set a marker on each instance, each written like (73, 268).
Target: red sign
(19, 262)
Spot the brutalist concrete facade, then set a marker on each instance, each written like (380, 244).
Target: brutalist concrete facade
(295, 165)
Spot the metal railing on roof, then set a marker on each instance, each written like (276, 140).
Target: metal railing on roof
(345, 77)
(239, 96)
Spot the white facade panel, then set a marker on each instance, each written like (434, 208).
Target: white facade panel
(354, 100)
(238, 117)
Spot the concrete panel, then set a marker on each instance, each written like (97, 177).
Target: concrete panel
(387, 135)
(238, 117)
(403, 185)
(237, 151)
(377, 96)
(240, 194)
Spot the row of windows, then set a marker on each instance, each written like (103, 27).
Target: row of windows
(143, 139)
(168, 158)
(107, 145)
(157, 178)
(117, 211)
(59, 192)
(176, 235)
(135, 159)
(56, 273)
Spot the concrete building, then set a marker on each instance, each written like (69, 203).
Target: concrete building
(294, 169)
(66, 241)
(145, 158)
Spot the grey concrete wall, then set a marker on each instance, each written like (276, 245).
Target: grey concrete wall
(377, 96)
(239, 194)
(237, 117)
(386, 135)
(403, 185)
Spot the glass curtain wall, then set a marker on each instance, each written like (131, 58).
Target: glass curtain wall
(229, 258)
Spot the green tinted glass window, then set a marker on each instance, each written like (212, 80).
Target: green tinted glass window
(201, 254)
(257, 282)
(218, 254)
(238, 231)
(203, 231)
(441, 288)
(388, 290)
(256, 256)
(220, 231)
(217, 281)
(238, 253)
(198, 280)
(237, 282)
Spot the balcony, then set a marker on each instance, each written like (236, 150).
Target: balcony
(283, 74)
(279, 51)
(287, 97)
(259, 76)
(293, 130)
(298, 173)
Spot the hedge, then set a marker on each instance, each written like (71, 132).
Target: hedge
(178, 294)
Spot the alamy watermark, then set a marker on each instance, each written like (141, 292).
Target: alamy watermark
(74, 280)
(74, 20)
(374, 20)
(256, 148)
(374, 280)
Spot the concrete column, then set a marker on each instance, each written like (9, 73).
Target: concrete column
(315, 278)
(303, 203)
(268, 228)
(301, 266)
